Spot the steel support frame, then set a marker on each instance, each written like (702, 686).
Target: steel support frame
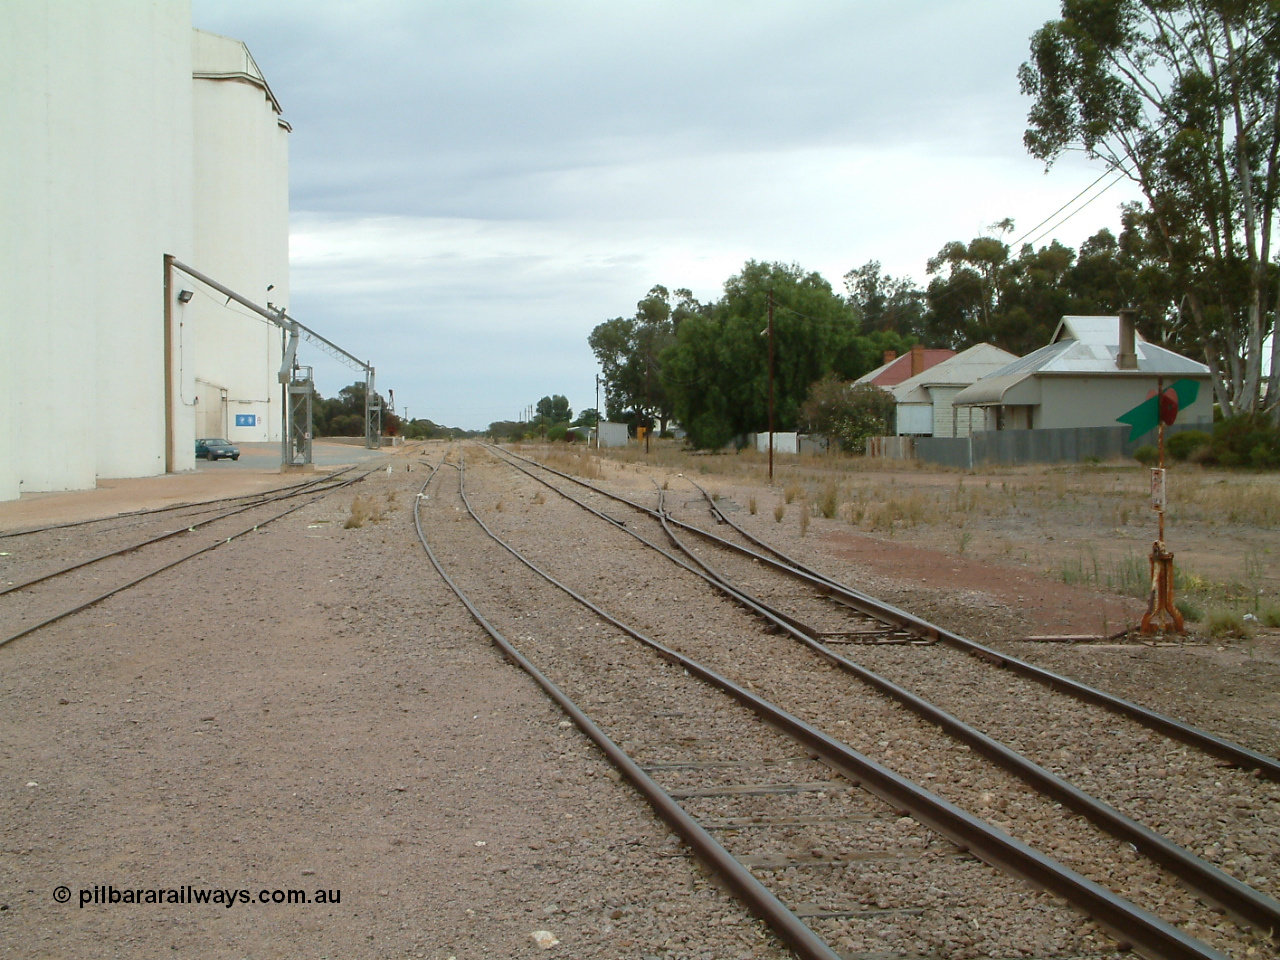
(298, 398)
(372, 413)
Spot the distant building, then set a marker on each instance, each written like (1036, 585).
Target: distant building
(925, 402)
(1092, 371)
(129, 136)
(611, 434)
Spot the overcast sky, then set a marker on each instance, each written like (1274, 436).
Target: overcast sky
(477, 184)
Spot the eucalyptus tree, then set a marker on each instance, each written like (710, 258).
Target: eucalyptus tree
(629, 351)
(717, 370)
(885, 303)
(1183, 97)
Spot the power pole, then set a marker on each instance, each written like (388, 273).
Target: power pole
(597, 413)
(648, 403)
(771, 386)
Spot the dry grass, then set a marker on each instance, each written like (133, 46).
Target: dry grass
(363, 510)
(829, 500)
(1087, 523)
(579, 462)
(1253, 503)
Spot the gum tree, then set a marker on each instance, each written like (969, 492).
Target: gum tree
(1183, 97)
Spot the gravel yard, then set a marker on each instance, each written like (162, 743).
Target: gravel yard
(310, 708)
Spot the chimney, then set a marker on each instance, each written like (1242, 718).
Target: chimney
(890, 356)
(917, 359)
(1127, 356)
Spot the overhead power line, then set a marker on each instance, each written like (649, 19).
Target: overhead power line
(1121, 175)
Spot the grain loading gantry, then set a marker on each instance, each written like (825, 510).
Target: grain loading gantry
(296, 383)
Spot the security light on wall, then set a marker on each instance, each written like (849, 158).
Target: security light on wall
(184, 296)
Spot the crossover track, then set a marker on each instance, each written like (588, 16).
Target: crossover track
(317, 490)
(1131, 924)
(1243, 901)
(908, 623)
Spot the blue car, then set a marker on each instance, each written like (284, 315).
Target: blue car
(216, 450)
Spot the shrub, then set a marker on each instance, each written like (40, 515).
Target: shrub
(1190, 612)
(1181, 446)
(1227, 623)
(558, 431)
(1248, 440)
(1147, 454)
(848, 413)
(829, 502)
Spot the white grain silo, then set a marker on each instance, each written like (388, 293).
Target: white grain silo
(241, 239)
(127, 138)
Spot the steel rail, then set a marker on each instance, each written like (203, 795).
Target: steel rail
(1175, 729)
(161, 569)
(757, 897)
(196, 505)
(1217, 746)
(10, 588)
(1132, 925)
(1244, 902)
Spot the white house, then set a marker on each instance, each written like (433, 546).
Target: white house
(925, 401)
(1092, 371)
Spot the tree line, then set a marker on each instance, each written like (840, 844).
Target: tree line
(551, 419)
(1181, 96)
(343, 416)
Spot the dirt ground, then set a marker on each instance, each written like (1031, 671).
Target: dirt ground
(1008, 554)
(1085, 525)
(310, 708)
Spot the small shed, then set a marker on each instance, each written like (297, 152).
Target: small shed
(924, 402)
(1092, 371)
(612, 434)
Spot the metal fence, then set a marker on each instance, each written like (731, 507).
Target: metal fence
(1066, 445)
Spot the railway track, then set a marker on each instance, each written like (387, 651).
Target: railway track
(139, 517)
(701, 756)
(1166, 775)
(50, 593)
(1168, 787)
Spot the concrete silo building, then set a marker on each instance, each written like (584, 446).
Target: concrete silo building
(241, 238)
(129, 137)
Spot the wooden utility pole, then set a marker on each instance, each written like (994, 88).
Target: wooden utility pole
(771, 386)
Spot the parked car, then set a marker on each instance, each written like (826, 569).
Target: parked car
(216, 449)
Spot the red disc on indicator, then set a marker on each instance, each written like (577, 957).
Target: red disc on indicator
(1168, 407)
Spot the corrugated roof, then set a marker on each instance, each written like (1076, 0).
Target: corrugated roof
(1101, 330)
(1070, 356)
(964, 368)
